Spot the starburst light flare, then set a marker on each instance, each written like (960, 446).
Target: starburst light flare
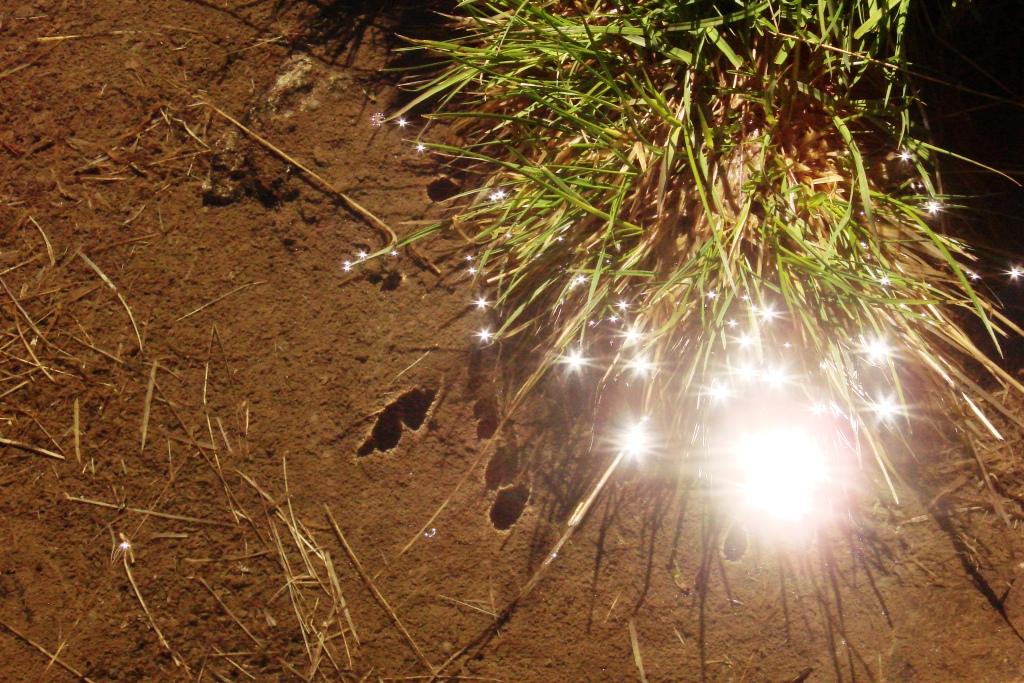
(635, 441)
(574, 360)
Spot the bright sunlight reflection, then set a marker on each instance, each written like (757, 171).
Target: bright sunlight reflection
(636, 440)
(782, 472)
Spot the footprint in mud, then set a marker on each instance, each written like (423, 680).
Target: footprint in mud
(410, 409)
(734, 545)
(442, 188)
(502, 468)
(388, 281)
(486, 413)
(508, 506)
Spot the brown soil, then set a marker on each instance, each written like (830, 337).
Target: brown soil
(194, 379)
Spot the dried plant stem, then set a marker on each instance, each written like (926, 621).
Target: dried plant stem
(147, 405)
(575, 520)
(46, 240)
(159, 634)
(315, 642)
(230, 613)
(32, 326)
(54, 656)
(117, 292)
(79, 36)
(378, 596)
(32, 353)
(219, 298)
(483, 453)
(30, 448)
(352, 204)
(634, 644)
(77, 429)
(14, 388)
(143, 511)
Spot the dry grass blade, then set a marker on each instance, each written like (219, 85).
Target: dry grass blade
(378, 596)
(431, 678)
(340, 604)
(79, 36)
(77, 431)
(147, 406)
(231, 614)
(53, 656)
(467, 605)
(30, 448)
(31, 352)
(313, 625)
(296, 600)
(634, 644)
(577, 517)
(227, 658)
(484, 452)
(14, 388)
(14, 69)
(46, 240)
(145, 512)
(352, 204)
(149, 615)
(117, 292)
(219, 299)
(22, 310)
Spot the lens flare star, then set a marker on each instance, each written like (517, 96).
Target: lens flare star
(632, 335)
(885, 408)
(718, 392)
(635, 441)
(641, 366)
(746, 340)
(574, 360)
(767, 313)
(877, 350)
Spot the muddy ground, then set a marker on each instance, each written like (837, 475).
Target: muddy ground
(192, 380)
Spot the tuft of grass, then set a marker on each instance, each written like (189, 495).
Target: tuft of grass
(713, 192)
